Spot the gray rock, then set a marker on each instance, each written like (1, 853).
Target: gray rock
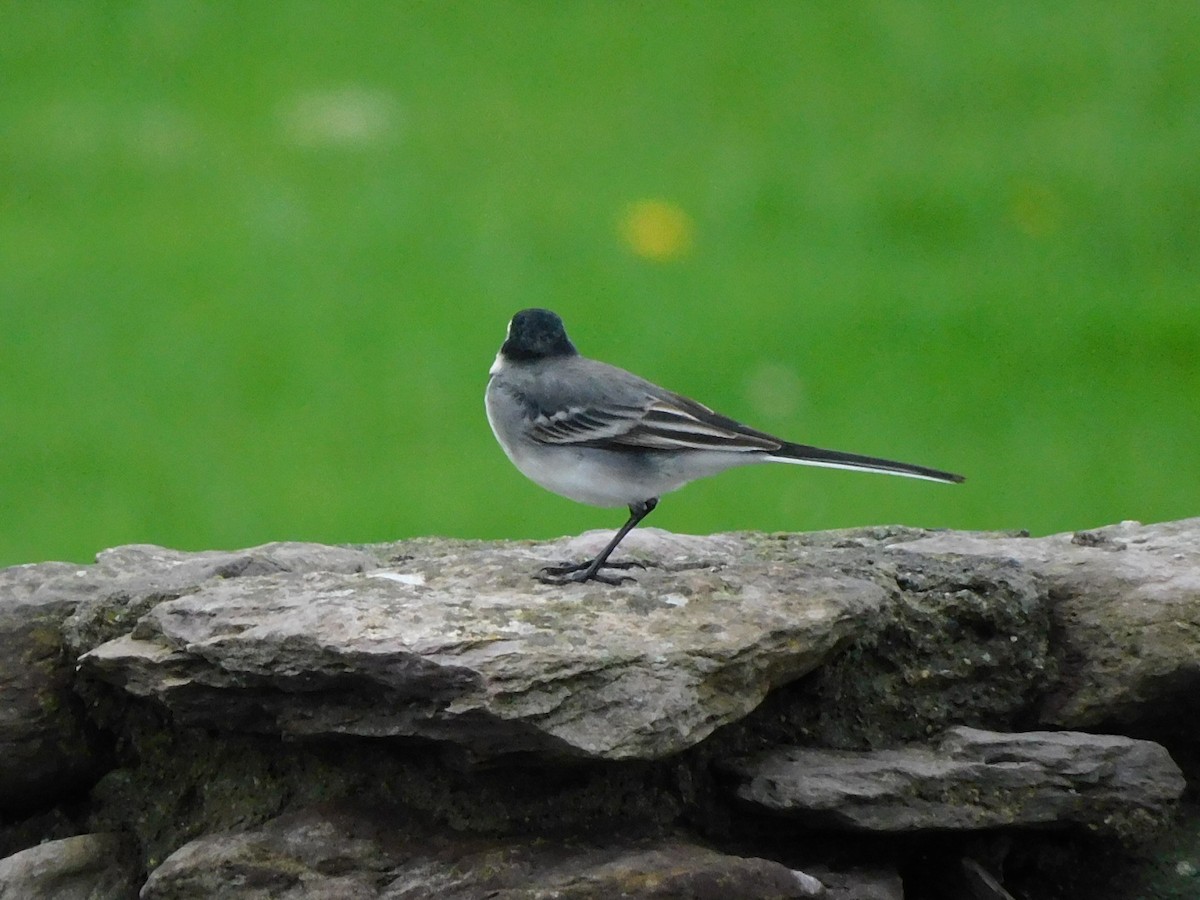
(981, 884)
(1127, 612)
(51, 611)
(860, 884)
(972, 779)
(464, 646)
(44, 751)
(333, 853)
(899, 632)
(86, 867)
(961, 641)
(128, 581)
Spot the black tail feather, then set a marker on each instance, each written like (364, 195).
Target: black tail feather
(836, 459)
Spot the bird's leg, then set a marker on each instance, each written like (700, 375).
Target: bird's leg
(590, 570)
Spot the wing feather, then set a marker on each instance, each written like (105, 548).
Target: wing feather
(663, 422)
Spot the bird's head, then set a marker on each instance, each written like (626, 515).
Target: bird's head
(536, 334)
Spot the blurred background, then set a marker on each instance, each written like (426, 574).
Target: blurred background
(256, 259)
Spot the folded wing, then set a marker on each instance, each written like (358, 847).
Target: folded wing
(671, 422)
(667, 422)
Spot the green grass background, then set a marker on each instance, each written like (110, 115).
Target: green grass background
(255, 259)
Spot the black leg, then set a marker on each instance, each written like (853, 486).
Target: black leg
(590, 570)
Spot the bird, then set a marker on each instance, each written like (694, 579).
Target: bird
(600, 435)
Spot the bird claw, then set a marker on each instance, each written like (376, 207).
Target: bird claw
(581, 578)
(630, 564)
(579, 573)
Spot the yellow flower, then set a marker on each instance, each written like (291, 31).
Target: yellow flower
(657, 230)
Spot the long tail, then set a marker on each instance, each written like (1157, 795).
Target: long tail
(803, 455)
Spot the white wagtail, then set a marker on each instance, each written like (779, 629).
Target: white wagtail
(600, 435)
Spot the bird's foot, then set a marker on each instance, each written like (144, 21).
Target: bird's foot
(578, 573)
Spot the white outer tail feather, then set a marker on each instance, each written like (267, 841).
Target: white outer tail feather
(854, 467)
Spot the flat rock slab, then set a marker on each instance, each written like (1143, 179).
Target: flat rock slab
(1127, 612)
(85, 867)
(50, 611)
(352, 855)
(462, 645)
(972, 779)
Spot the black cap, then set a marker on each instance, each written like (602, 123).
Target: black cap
(536, 334)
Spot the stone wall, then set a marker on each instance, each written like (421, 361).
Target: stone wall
(877, 713)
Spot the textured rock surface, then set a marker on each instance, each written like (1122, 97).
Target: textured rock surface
(971, 779)
(351, 855)
(43, 741)
(1127, 610)
(860, 885)
(126, 582)
(961, 641)
(234, 704)
(48, 611)
(86, 867)
(467, 648)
